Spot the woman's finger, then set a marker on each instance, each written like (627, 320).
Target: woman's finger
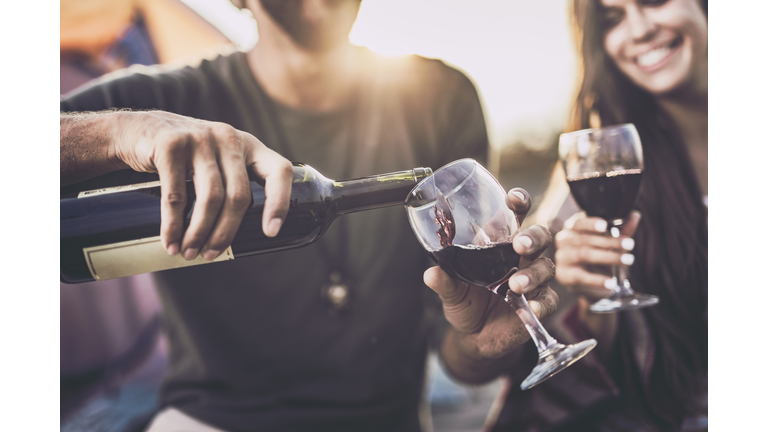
(573, 239)
(582, 222)
(580, 281)
(587, 255)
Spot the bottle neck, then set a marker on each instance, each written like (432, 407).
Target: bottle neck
(377, 191)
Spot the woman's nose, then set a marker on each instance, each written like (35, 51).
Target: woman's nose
(641, 26)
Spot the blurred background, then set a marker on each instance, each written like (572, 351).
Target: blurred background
(518, 53)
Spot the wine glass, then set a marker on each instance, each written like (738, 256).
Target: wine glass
(460, 216)
(603, 168)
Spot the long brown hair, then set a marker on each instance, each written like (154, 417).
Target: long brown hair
(671, 240)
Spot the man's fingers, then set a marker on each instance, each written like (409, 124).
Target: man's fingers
(544, 302)
(172, 170)
(277, 173)
(539, 272)
(236, 203)
(519, 201)
(210, 194)
(532, 241)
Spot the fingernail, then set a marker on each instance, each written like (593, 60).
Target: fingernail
(522, 280)
(628, 244)
(274, 226)
(190, 254)
(210, 255)
(526, 241)
(519, 195)
(601, 226)
(610, 283)
(173, 249)
(627, 259)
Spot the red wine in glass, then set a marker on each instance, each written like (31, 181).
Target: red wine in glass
(609, 196)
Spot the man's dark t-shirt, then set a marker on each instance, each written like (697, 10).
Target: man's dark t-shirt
(253, 342)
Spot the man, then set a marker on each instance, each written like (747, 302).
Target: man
(257, 343)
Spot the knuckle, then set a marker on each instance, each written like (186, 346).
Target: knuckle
(172, 228)
(551, 302)
(225, 134)
(219, 241)
(285, 167)
(176, 200)
(178, 144)
(194, 239)
(560, 256)
(216, 194)
(549, 265)
(240, 199)
(546, 235)
(561, 237)
(582, 254)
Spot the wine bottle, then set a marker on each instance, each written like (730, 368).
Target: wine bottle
(115, 232)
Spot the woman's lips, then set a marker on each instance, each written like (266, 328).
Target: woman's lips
(654, 57)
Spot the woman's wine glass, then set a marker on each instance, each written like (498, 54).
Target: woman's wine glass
(603, 168)
(460, 216)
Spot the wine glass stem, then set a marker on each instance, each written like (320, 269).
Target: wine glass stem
(623, 287)
(540, 337)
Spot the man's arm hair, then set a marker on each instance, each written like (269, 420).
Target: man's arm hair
(86, 145)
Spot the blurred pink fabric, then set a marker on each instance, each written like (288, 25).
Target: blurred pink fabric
(101, 321)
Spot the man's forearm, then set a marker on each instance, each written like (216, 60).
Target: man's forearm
(86, 145)
(463, 361)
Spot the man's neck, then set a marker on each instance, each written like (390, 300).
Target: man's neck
(302, 79)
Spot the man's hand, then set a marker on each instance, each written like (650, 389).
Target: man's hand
(217, 157)
(485, 327)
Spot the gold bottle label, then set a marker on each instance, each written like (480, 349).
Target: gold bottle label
(134, 257)
(109, 190)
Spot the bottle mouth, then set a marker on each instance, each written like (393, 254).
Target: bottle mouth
(422, 173)
(451, 177)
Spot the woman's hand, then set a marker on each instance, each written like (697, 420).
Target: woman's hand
(585, 254)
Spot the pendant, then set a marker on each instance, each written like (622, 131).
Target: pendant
(336, 293)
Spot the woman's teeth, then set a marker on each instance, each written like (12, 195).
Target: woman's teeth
(653, 56)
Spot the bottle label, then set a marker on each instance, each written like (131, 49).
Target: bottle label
(134, 257)
(109, 190)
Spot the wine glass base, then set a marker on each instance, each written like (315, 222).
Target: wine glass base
(555, 360)
(616, 303)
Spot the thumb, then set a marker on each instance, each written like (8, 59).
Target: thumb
(449, 289)
(630, 226)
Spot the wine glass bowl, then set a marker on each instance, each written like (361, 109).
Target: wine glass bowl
(460, 216)
(603, 168)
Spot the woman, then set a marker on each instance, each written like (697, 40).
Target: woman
(644, 62)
